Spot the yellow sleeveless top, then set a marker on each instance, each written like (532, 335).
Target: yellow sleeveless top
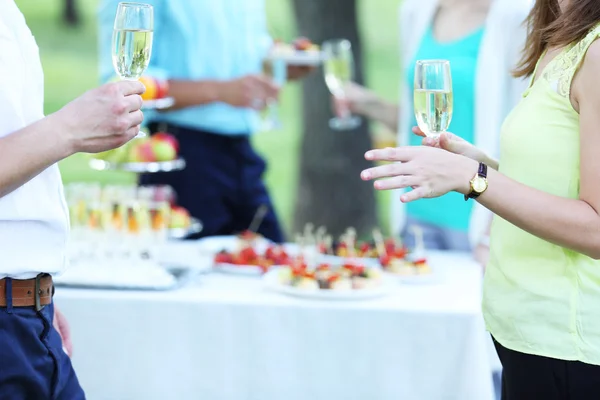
(540, 298)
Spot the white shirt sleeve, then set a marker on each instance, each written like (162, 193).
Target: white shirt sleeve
(11, 92)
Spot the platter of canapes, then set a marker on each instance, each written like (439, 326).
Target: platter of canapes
(249, 254)
(351, 280)
(301, 52)
(391, 255)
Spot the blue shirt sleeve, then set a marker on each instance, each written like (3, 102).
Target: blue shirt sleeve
(106, 18)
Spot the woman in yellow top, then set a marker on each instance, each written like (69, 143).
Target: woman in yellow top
(542, 284)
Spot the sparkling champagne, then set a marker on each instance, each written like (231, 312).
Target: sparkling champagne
(338, 73)
(433, 110)
(131, 52)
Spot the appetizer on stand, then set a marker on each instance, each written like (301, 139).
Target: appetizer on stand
(301, 52)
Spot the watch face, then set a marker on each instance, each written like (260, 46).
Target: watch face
(479, 184)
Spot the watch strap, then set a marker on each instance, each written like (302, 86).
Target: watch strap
(482, 172)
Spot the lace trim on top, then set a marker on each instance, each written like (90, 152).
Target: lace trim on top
(559, 72)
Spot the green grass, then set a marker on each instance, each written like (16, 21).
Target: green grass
(70, 66)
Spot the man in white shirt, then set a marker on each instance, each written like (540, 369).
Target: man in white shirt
(34, 223)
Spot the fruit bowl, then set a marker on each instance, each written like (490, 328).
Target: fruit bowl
(156, 95)
(156, 153)
(138, 167)
(181, 233)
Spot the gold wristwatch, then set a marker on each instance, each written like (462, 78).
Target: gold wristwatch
(479, 183)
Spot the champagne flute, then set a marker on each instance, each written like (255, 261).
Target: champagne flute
(132, 41)
(433, 96)
(339, 71)
(276, 69)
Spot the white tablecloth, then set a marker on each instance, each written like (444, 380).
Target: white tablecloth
(227, 338)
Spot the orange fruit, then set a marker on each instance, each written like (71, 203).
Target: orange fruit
(151, 87)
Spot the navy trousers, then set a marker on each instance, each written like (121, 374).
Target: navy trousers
(222, 183)
(33, 365)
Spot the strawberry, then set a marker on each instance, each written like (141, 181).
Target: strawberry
(223, 257)
(358, 270)
(323, 267)
(364, 249)
(385, 260)
(401, 252)
(248, 253)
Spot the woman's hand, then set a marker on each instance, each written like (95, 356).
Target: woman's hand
(431, 172)
(457, 145)
(62, 327)
(357, 99)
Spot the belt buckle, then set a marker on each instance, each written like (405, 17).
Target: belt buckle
(38, 290)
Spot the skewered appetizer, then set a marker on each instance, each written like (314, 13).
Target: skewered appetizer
(326, 277)
(343, 249)
(396, 259)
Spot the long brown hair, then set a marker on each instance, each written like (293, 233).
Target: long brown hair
(548, 27)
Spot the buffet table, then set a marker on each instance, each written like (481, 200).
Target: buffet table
(228, 338)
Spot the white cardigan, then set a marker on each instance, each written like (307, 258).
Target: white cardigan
(496, 92)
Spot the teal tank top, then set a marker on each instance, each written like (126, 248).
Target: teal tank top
(450, 211)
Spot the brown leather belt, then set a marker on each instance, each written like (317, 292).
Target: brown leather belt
(36, 292)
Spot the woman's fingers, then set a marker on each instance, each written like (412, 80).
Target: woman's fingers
(431, 142)
(417, 131)
(403, 154)
(396, 182)
(385, 171)
(419, 192)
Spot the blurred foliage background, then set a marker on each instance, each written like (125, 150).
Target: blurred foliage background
(70, 65)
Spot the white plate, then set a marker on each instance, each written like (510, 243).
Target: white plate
(158, 104)
(299, 58)
(337, 260)
(215, 244)
(139, 167)
(246, 270)
(424, 279)
(272, 282)
(118, 274)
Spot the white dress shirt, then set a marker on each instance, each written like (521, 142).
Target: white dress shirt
(34, 220)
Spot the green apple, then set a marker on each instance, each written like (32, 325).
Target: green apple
(180, 218)
(163, 150)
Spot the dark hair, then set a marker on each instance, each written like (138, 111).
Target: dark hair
(548, 27)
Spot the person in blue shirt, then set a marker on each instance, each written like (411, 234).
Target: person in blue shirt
(482, 40)
(211, 52)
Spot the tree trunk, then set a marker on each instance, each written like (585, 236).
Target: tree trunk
(70, 13)
(330, 191)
